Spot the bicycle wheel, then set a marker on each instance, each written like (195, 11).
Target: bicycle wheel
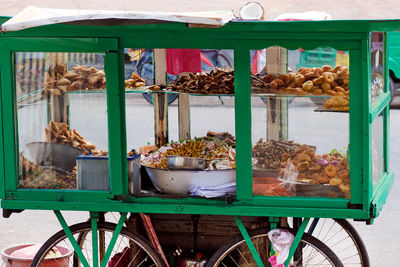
(342, 238)
(129, 250)
(310, 252)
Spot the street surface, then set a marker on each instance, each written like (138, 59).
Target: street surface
(326, 130)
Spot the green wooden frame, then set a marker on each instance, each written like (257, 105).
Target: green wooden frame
(352, 36)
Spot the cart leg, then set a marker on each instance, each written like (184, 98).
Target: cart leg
(93, 219)
(113, 240)
(71, 238)
(247, 239)
(296, 240)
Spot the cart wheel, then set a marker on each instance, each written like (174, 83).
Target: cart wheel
(129, 250)
(341, 237)
(310, 252)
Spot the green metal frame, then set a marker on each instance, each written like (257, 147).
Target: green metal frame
(352, 36)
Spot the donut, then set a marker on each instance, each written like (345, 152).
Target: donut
(308, 85)
(326, 86)
(326, 68)
(299, 79)
(337, 68)
(330, 170)
(344, 187)
(317, 91)
(335, 181)
(328, 77)
(323, 178)
(331, 92)
(344, 174)
(318, 81)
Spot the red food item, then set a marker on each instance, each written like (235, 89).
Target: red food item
(121, 259)
(268, 186)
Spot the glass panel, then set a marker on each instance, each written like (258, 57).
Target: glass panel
(377, 61)
(201, 125)
(62, 120)
(377, 149)
(300, 124)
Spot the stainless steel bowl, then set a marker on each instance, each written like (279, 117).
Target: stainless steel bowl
(178, 182)
(59, 156)
(186, 163)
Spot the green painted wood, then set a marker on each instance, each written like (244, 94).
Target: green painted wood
(9, 120)
(381, 193)
(60, 195)
(2, 176)
(95, 248)
(366, 154)
(116, 122)
(243, 123)
(248, 241)
(379, 105)
(237, 210)
(297, 240)
(22, 44)
(71, 238)
(386, 113)
(113, 240)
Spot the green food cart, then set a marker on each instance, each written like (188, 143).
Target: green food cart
(48, 162)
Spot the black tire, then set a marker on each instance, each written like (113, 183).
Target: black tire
(149, 98)
(83, 229)
(223, 253)
(357, 256)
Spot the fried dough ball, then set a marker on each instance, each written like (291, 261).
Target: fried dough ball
(331, 92)
(344, 187)
(310, 76)
(339, 89)
(299, 79)
(335, 181)
(285, 79)
(338, 67)
(317, 91)
(330, 170)
(343, 174)
(326, 68)
(328, 77)
(326, 86)
(303, 157)
(318, 81)
(308, 85)
(323, 178)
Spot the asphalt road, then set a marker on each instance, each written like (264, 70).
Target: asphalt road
(321, 129)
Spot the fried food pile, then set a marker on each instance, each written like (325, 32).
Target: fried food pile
(307, 167)
(309, 81)
(135, 82)
(34, 176)
(268, 154)
(337, 103)
(59, 80)
(59, 132)
(218, 81)
(209, 149)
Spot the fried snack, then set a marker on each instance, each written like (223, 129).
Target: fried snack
(335, 181)
(308, 85)
(337, 103)
(135, 82)
(59, 132)
(330, 170)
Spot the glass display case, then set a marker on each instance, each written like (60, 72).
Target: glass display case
(226, 117)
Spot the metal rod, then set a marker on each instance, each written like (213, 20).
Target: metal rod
(296, 240)
(247, 239)
(71, 238)
(93, 220)
(116, 233)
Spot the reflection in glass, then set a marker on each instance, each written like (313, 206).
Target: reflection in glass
(377, 149)
(62, 115)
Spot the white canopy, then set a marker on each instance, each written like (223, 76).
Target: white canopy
(34, 16)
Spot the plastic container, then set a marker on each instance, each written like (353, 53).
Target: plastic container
(11, 261)
(92, 173)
